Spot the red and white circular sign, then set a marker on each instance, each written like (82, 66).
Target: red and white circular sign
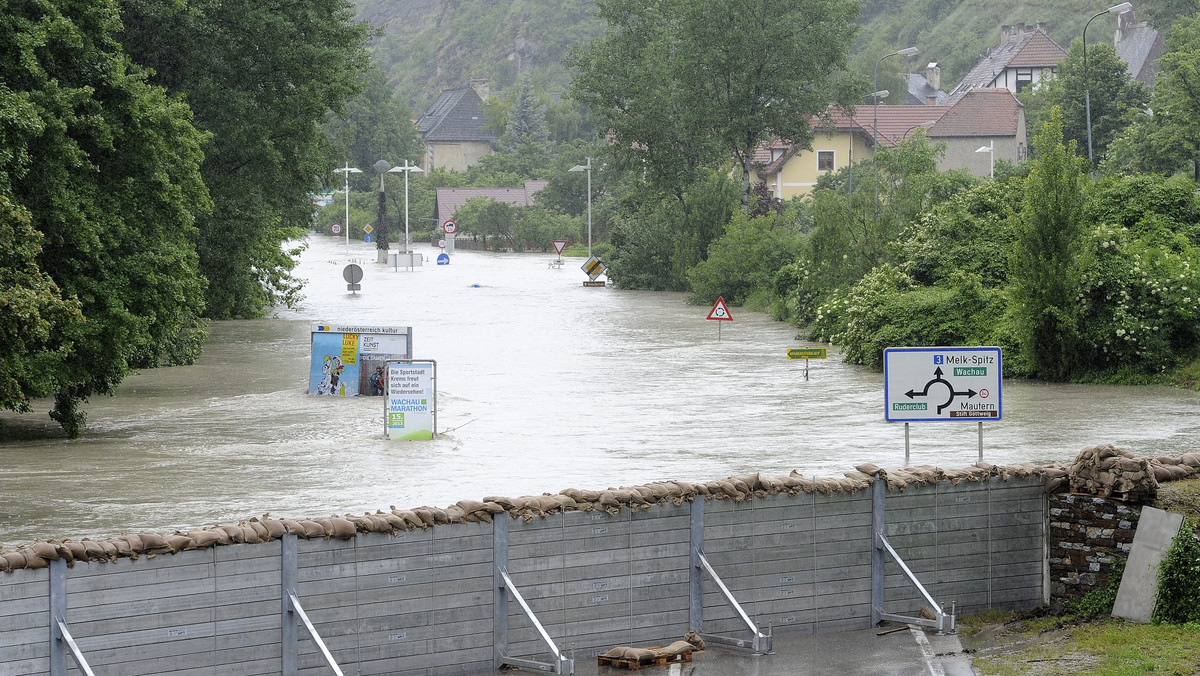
(450, 227)
(442, 243)
(336, 228)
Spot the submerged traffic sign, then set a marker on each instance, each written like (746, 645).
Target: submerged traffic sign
(942, 383)
(808, 353)
(719, 311)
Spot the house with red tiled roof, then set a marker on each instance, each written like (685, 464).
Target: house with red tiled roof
(449, 200)
(789, 170)
(1021, 60)
(453, 129)
(991, 118)
(982, 118)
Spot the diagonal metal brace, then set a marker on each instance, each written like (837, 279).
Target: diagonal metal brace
(761, 643)
(561, 664)
(940, 623)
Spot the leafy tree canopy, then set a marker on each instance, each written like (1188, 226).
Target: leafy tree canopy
(1116, 98)
(261, 79)
(685, 85)
(106, 169)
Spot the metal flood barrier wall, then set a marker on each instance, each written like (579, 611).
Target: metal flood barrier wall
(423, 601)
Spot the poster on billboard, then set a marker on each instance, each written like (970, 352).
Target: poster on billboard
(349, 361)
(411, 413)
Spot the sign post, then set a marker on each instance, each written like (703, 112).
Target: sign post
(807, 353)
(594, 268)
(353, 274)
(559, 245)
(720, 313)
(449, 227)
(924, 384)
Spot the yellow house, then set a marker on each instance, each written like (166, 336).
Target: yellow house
(982, 126)
(790, 171)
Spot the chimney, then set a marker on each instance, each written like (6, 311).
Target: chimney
(1005, 31)
(481, 88)
(1124, 26)
(1041, 25)
(933, 75)
(1020, 30)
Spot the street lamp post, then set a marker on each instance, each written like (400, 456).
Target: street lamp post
(346, 171)
(1087, 94)
(907, 51)
(588, 168)
(990, 149)
(382, 167)
(407, 168)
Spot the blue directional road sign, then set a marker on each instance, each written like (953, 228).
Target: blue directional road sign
(443, 259)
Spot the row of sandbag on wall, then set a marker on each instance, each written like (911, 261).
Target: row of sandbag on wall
(1098, 470)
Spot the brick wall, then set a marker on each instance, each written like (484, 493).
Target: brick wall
(1085, 534)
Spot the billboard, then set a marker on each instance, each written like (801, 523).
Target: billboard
(411, 400)
(349, 361)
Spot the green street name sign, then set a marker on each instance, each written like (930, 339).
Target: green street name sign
(808, 353)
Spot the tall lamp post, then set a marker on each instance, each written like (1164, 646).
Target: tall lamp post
(1087, 95)
(407, 168)
(346, 171)
(588, 168)
(907, 51)
(990, 149)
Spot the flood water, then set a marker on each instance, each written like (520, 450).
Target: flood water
(542, 385)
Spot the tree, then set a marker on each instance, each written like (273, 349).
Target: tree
(854, 233)
(32, 312)
(260, 79)
(684, 86)
(526, 118)
(1046, 268)
(107, 169)
(1116, 98)
(1169, 139)
(375, 125)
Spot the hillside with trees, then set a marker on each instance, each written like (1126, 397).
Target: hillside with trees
(426, 46)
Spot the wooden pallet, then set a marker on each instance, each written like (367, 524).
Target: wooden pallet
(632, 663)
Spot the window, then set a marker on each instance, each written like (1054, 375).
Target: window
(824, 160)
(1024, 78)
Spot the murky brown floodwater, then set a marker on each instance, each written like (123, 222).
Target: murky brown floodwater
(543, 385)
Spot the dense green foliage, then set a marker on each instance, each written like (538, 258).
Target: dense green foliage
(1116, 99)
(986, 267)
(31, 310)
(1168, 140)
(261, 79)
(374, 125)
(1177, 600)
(106, 167)
(1046, 266)
(152, 161)
(684, 86)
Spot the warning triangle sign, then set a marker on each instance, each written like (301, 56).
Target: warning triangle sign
(559, 245)
(720, 312)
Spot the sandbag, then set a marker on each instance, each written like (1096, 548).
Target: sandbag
(676, 648)
(154, 544)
